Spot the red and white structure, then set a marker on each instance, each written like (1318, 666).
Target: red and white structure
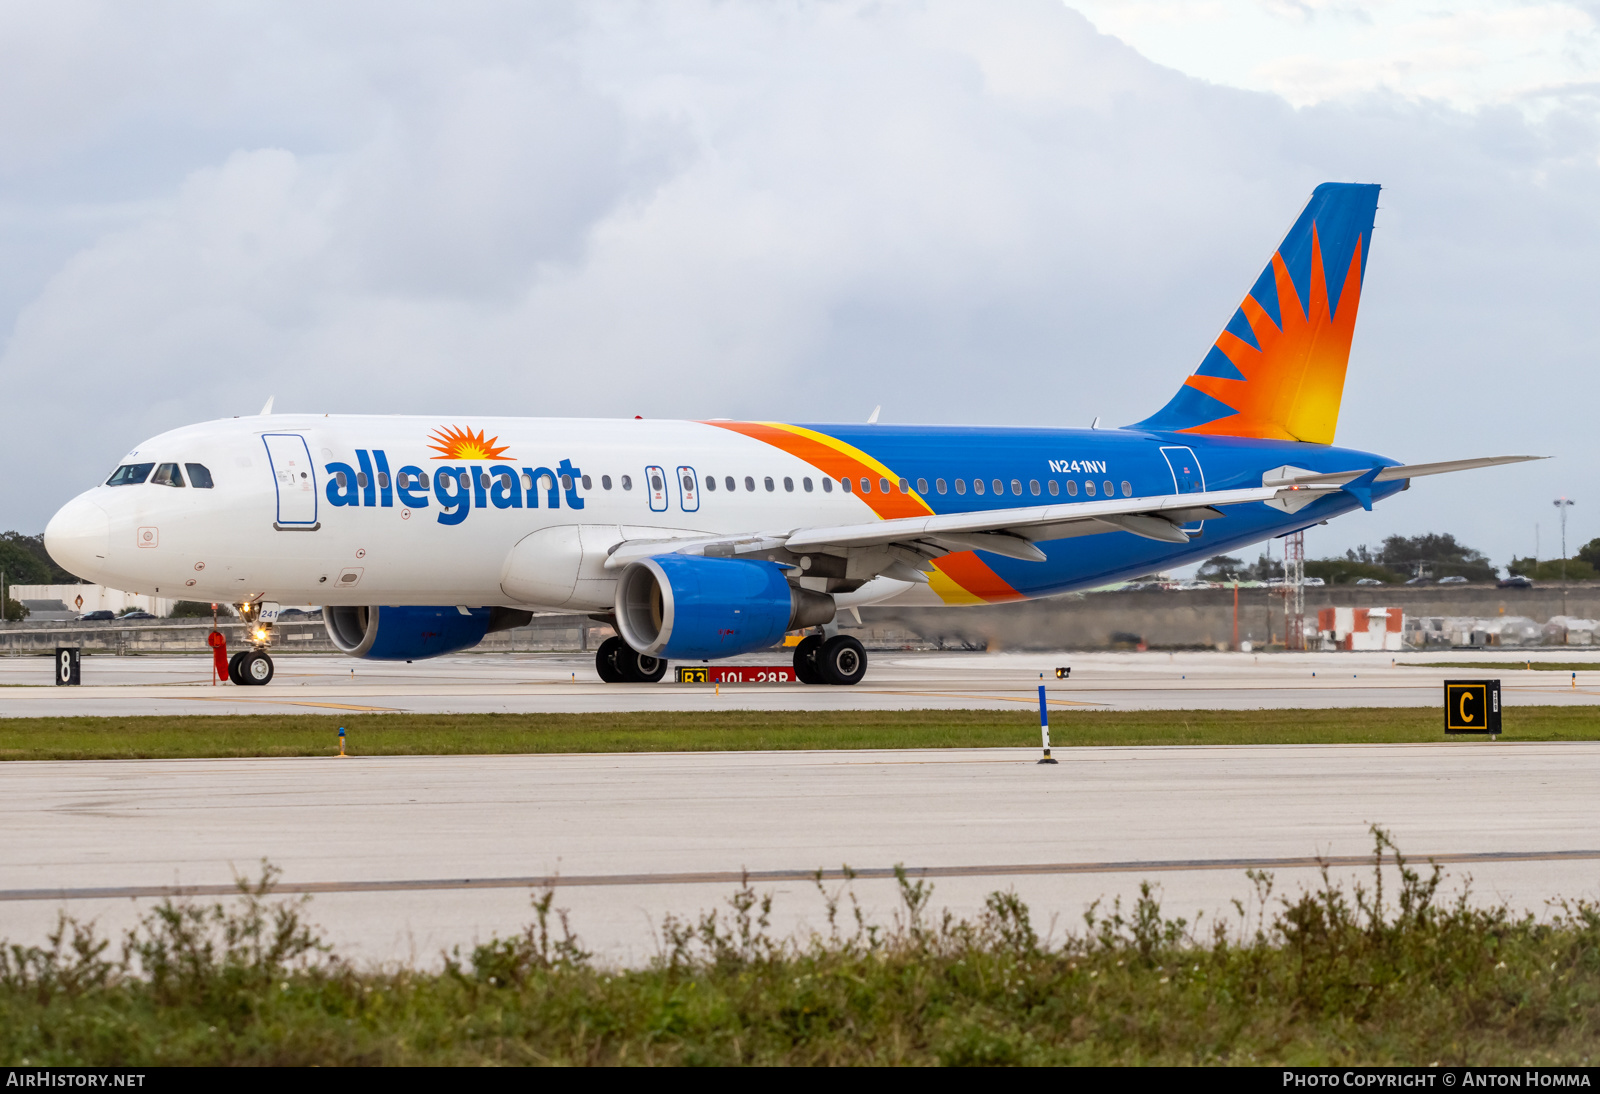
(1361, 628)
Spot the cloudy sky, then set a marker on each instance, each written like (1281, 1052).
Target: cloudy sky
(1014, 211)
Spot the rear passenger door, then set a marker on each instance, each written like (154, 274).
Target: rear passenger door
(1187, 477)
(295, 478)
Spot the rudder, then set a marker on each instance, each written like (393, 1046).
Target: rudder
(1277, 369)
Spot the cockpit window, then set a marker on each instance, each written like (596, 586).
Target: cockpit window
(199, 476)
(130, 474)
(167, 475)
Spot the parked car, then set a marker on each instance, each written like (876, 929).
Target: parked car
(97, 617)
(1420, 581)
(1515, 581)
(1315, 581)
(138, 615)
(1453, 579)
(1368, 581)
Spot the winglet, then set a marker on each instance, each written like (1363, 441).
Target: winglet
(267, 409)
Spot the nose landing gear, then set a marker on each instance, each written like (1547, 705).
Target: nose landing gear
(252, 667)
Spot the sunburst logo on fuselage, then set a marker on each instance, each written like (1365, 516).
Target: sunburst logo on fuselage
(456, 443)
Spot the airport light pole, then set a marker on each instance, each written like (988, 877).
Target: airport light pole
(1562, 504)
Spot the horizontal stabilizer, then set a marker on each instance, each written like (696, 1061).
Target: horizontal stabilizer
(1299, 476)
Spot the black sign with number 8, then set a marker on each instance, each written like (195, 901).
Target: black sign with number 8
(69, 667)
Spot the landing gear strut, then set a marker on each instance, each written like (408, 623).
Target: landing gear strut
(618, 663)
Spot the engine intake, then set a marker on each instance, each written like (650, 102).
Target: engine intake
(411, 633)
(683, 606)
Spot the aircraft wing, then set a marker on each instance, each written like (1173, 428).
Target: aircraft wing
(1013, 532)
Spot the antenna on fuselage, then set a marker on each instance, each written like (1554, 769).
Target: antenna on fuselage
(872, 419)
(267, 409)
(1096, 423)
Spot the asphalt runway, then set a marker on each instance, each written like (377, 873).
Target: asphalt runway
(408, 856)
(532, 682)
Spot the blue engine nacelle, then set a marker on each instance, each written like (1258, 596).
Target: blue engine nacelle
(684, 606)
(408, 633)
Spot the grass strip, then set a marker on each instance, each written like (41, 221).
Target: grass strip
(202, 736)
(1387, 971)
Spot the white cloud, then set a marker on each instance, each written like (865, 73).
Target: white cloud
(981, 213)
(1472, 54)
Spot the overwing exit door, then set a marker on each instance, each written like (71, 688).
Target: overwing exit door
(688, 493)
(655, 481)
(295, 478)
(1187, 477)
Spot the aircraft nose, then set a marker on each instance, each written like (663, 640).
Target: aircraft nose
(78, 537)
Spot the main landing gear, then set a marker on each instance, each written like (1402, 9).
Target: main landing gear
(250, 667)
(837, 660)
(617, 663)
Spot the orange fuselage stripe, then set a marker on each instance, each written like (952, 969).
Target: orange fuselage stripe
(838, 460)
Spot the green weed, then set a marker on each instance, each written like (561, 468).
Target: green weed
(1381, 971)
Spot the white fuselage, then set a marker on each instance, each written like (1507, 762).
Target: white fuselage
(270, 526)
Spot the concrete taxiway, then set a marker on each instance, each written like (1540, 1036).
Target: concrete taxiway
(532, 682)
(408, 856)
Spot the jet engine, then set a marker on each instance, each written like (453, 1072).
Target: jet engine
(408, 633)
(689, 607)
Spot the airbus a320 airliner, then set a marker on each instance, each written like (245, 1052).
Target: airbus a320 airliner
(706, 539)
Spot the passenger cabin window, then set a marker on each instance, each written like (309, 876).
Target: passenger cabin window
(711, 483)
(1127, 489)
(788, 484)
(422, 480)
(806, 482)
(655, 482)
(688, 485)
(844, 484)
(361, 479)
(866, 486)
(961, 486)
(627, 482)
(566, 482)
(750, 484)
(727, 480)
(1033, 487)
(1016, 486)
(167, 474)
(1055, 488)
(1088, 487)
(605, 482)
(922, 486)
(938, 484)
(199, 476)
(339, 477)
(827, 486)
(883, 485)
(130, 474)
(588, 483)
(1111, 491)
(1072, 488)
(768, 483)
(977, 486)
(999, 487)
(383, 480)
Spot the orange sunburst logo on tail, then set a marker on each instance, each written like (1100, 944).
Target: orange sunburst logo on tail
(456, 443)
(1291, 386)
